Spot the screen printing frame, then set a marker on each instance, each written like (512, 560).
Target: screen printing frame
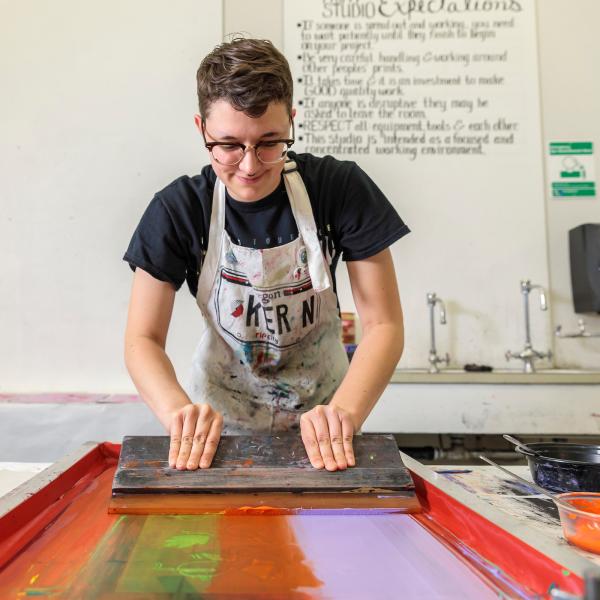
(509, 558)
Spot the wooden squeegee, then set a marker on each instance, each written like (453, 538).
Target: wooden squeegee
(261, 475)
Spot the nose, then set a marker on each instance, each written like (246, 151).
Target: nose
(250, 163)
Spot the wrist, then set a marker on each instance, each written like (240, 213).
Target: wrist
(355, 417)
(169, 412)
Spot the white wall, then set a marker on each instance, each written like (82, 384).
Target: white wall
(98, 116)
(570, 84)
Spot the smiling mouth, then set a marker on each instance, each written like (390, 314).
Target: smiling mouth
(250, 180)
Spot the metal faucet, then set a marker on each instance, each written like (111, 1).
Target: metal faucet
(528, 355)
(583, 332)
(434, 359)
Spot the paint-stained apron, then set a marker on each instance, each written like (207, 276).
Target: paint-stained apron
(272, 348)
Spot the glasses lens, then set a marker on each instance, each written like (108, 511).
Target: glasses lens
(268, 152)
(227, 155)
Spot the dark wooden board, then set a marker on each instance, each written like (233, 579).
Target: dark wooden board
(259, 464)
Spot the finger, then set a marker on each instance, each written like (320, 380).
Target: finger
(175, 433)
(205, 416)
(322, 430)
(212, 441)
(336, 439)
(309, 439)
(347, 437)
(187, 436)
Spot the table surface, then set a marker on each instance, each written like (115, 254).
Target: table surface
(89, 553)
(510, 496)
(393, 538)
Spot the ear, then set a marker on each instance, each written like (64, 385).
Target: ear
(293, 113)
(198, 122)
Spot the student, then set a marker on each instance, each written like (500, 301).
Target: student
(257, 236)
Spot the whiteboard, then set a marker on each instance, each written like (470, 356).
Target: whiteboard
(441, 108)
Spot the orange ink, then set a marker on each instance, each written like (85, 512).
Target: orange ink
(582, 528)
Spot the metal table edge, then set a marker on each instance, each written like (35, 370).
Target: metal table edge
(39, 481)
(564, 556)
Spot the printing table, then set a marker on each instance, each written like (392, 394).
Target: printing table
(479, 536)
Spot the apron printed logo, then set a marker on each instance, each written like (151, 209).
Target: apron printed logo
(234, 277)
(281, 312)
(238, 309)
(278, 317)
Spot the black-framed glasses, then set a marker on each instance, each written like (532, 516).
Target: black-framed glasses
(268, 152)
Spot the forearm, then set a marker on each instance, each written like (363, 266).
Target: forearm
(370, 371)
(154, 377)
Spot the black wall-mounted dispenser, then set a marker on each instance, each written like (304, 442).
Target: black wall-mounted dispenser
(584, 247)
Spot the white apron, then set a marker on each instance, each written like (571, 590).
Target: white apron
(272, 348)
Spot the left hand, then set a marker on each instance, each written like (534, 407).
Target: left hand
(327, 433)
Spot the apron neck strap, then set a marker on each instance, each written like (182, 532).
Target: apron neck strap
(303, 213)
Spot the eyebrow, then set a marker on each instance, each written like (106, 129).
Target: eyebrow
(230, 138)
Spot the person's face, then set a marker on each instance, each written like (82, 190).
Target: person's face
(250, 179)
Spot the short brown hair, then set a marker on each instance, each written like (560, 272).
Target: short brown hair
(247, 73)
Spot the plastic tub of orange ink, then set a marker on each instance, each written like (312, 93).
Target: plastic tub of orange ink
(581, 524)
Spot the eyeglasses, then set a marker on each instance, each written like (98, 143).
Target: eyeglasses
(268, 152)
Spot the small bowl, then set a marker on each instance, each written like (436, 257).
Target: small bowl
(581, 524)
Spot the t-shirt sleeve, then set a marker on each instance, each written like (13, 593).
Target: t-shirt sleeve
(155, 246)
(367, 222)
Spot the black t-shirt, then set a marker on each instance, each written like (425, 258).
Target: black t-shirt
(354, 220)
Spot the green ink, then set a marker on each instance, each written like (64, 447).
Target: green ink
(206, 556)
(184, 549)
(165, 555)
(566, 573)
(186, 540)
(197, 571)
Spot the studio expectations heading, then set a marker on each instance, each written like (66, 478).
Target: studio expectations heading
(408, 8)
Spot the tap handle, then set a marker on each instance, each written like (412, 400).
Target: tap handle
(543, 300)
(542, 355)
(442, 311)
(527, 286)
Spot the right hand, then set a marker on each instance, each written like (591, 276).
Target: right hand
(195, 431)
